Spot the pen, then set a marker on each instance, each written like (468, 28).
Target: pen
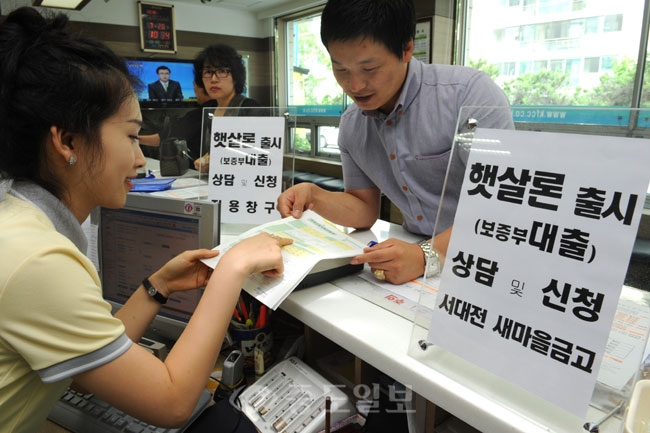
(372, 243)
(237, 316)
(328, 413)
(250, 322)
(242, 307)
(593, 427)
(261, 319)
(237, 325)
(187, 155)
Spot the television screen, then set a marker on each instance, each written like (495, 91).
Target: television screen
(151, 93)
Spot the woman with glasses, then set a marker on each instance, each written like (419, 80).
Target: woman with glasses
(222, 73)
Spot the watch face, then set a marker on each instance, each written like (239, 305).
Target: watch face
(152, 291)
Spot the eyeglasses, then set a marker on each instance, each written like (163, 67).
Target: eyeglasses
(219, 72)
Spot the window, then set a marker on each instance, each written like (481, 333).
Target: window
(512, 34)
(301, 137)
(630, 66)
(584, 52)
(308, 85)
(328, 140)
(576, 28)
(573, 71)
(309, 66)
(527, 33)
(557, 66)
(317, 137)
(545, 7)
(539, 65)
(607, 63)
(578, 5)
(508, 68)
(529, 5)
(594, 53)
(591, 25)
(592, 64)
(556, 30)
(613, 23)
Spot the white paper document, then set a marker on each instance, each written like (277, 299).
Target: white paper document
(314, 239)
(626, 344)
(413, 300)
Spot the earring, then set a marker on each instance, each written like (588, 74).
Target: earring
(72, 160)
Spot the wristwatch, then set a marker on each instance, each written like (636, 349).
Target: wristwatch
(431, 258)
(153, 292)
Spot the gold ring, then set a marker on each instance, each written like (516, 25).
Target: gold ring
(380, 274)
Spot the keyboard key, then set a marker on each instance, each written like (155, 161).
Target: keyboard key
(82, 413)
(134, 428)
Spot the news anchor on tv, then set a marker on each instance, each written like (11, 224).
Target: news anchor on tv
(165, 89)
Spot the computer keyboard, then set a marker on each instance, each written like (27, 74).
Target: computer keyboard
(85, 413)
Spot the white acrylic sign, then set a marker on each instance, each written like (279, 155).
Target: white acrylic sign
(246, 167)
(541, 242)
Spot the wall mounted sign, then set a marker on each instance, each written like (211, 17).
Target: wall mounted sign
(422, 40)
(157, 28)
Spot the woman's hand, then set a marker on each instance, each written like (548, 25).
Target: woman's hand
(259, 253)
(183, 272)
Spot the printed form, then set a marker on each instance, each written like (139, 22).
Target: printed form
(314, 239)
(413, 300)
(626, 345)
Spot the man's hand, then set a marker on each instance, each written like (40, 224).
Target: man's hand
(401, 261)
(295, 200)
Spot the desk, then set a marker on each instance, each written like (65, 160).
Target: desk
(381, 338)
(190, 186)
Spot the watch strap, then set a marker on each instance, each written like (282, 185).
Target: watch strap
(153, 292)
(431, 258)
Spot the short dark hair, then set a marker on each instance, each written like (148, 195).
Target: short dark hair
(162, 67)
(49, 77)
(389, 22)
(221, 56)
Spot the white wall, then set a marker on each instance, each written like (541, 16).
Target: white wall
(196, 18)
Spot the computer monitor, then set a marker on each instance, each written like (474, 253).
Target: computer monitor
(137, 239)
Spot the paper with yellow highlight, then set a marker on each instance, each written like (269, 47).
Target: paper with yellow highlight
(314, 239)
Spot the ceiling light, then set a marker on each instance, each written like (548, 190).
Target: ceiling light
(62, 4)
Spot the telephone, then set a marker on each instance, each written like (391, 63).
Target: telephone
(291, 398)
